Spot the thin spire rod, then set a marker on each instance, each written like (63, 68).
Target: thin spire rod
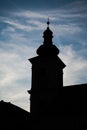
(48, 22)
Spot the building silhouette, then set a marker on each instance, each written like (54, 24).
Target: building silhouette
(52, 105)
(47, 74)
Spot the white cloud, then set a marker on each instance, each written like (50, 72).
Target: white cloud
(76, 65)
(15, 72)
(66, 29)
(18, 25)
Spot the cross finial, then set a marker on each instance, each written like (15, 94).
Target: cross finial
(48, 23)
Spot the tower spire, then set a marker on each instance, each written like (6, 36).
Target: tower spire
(48, 35)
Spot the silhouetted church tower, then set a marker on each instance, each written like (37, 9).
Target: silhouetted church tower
(47, 74)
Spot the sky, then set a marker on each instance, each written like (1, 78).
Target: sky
(22, 23)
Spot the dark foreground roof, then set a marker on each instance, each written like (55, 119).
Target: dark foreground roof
(13, 117)
(69, 106)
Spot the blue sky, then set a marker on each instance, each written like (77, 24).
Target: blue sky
(22, 23)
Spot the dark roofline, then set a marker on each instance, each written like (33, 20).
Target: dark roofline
(77, 85)
(2, 102)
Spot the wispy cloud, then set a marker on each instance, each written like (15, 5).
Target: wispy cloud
(29, 14)
(15, 73)
(20, 39)
(18, 25)
(76, 65)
